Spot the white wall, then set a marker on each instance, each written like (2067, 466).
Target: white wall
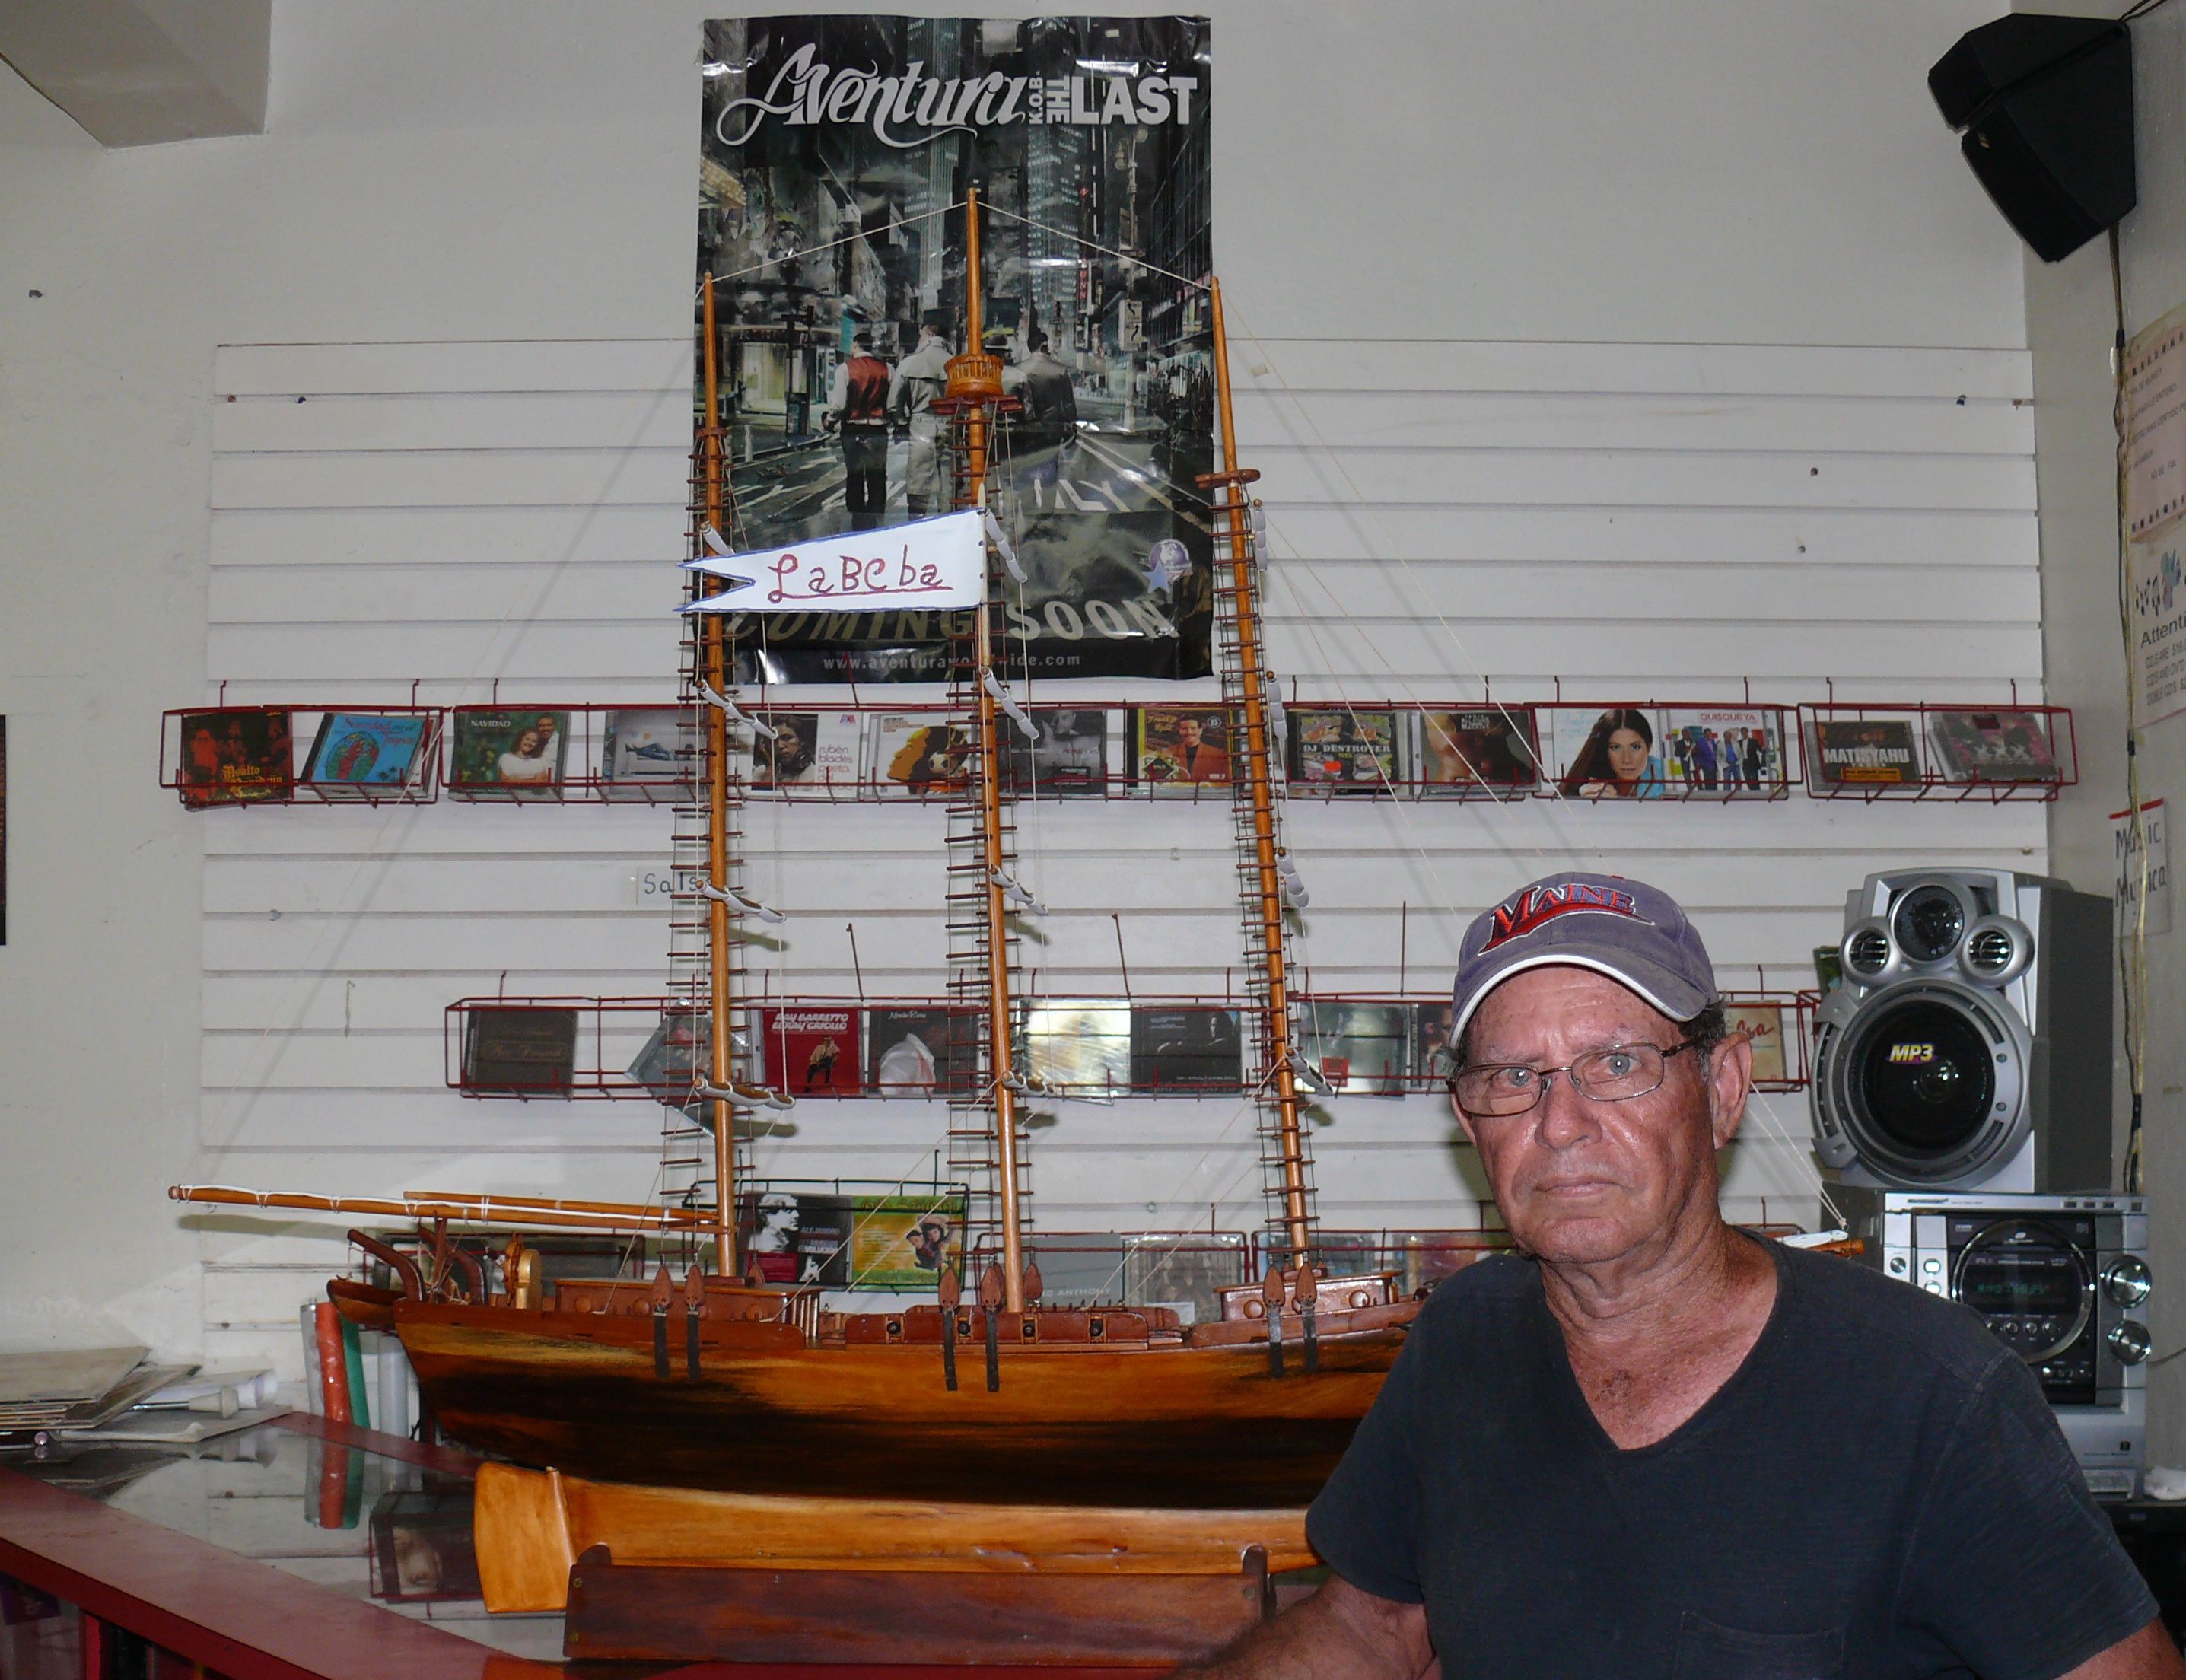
(1609, 304)
(2071, 321)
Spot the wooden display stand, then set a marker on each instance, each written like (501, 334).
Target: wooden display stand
(641, 1612)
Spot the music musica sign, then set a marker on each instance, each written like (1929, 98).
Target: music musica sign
(836, 154)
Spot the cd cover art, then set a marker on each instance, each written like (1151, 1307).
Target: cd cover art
(1349, 748)
(1357, 1047)
(1182, 1047)
(1480, 748)
(368, 749)
(1066, 755)
(522, 1049)
(1865, 753)
(921, 754)
(648, 750)
(1610, 753)
(812, 1051)
(1078, 1046)
(2000, 746)
(1181, 748)
(920, 1052)
(1723, 750)
(237, 755)
(807, 749)
(516, 752)
(1762, 1023)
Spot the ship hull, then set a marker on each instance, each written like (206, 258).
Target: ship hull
(1161, 1425)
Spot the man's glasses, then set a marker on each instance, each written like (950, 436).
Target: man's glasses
(1612, 1075)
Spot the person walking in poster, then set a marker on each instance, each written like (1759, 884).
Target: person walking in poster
(1050, 412)
(1617, 759)
(858, 405)
(919, 379)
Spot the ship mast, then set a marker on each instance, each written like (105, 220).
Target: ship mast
(975, 379)
(1265, 896)
(713, 663)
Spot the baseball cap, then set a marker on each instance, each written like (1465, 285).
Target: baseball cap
(1634, 933)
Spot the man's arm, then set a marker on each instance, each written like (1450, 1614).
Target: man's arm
(2149, 1654)
(1342, 1633)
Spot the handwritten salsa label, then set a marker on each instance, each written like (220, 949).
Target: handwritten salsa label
(928, 562)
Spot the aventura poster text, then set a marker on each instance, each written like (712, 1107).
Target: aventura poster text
(835, 158)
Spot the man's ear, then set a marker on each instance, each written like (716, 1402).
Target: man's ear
(1730, 1082)
(1464, 1121)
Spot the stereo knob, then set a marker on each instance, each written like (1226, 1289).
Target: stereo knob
(2129, 1341)
(2127, 1282)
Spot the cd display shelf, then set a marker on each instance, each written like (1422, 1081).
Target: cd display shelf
(867, 751)
(1925, 751)
(223, 756)
(1079, 1047)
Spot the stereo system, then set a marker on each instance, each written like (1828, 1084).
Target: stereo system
(2061, 1280)
(1969, 1044)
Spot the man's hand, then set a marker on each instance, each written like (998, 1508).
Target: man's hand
(2149, 1654)
(1341, 1633)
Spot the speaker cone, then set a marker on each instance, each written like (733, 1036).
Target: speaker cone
(1924, 1081)
(1928, 923)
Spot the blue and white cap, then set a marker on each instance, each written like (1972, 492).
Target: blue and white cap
(1634, 933)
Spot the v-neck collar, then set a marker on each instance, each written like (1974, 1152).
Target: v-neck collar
(1573, 1397)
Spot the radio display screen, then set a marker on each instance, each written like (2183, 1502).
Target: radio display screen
(2003, 1284)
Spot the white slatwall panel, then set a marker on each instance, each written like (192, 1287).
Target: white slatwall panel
(1644, 521)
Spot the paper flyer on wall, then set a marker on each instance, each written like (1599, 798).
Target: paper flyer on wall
(835, 155)
(2155, 605)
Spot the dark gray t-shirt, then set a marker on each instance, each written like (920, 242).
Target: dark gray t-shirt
(1878, 1491)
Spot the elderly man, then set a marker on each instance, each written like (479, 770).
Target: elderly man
(1657, 1446)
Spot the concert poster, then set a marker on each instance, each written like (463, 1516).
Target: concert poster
(1865, 753)
(1347, 748)
(1066, 756)
(1992, 747)
(1762, 1023)
(807, 749)
(1481, 748)
(812, 1051)
(515, 751)
(237, 755)
(920, 1052)
(836, 153)
(1185, 1048)
(367, 749)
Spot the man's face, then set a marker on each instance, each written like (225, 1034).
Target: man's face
(1187, 731)
(1579, 1181)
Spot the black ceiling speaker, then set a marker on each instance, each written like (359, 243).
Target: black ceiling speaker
(2046, 103)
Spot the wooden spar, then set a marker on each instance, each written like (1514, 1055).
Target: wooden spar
(1259, 786)
(713, 631)
(694, 1216)
(461, 1210)
(991, 799)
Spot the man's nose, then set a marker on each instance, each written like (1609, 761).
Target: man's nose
(1565, 1117)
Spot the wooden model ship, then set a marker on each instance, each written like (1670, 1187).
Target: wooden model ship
(985, 1397)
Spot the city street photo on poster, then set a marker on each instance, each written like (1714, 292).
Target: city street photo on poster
(836, 156)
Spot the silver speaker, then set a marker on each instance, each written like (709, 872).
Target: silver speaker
(1968, 1046)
